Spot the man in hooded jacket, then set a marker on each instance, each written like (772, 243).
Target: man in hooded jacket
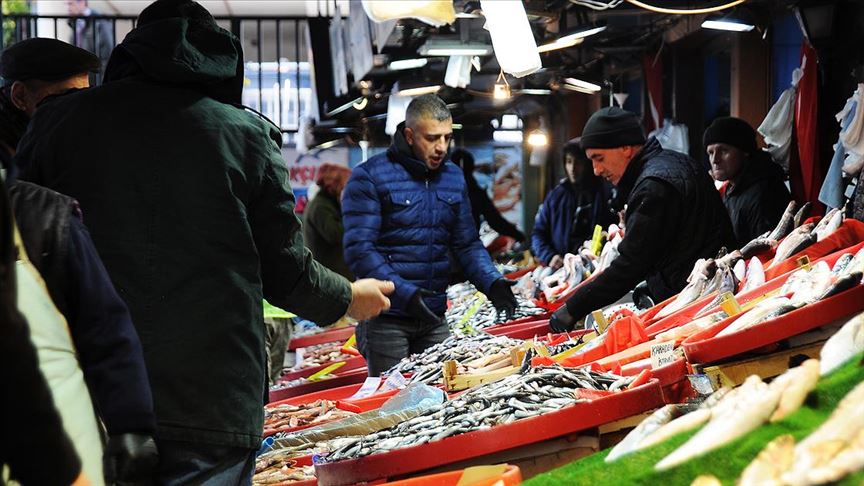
(188, 201)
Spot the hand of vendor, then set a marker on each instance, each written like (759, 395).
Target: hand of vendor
(369, 298)
(417, 308)
(556, 262)
(502, 297)
(130, 458)
(562, 321)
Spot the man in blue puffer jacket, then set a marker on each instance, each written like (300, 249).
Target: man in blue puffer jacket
(402, 211)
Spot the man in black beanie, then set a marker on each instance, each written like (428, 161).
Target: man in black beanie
(673, 215)
(188, 201)
(754, 192)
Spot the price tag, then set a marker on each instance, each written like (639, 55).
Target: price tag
(803, 262)
(663, 354)
(369, 387)
(481, 299)
(393, 382)
(350, 344)
(701, 383)
(601, 321)
(326, 371)
(729, 304)
(597, 240)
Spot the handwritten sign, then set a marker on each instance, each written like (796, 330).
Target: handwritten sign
(663, 354)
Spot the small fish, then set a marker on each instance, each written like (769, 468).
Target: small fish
(728, 283)
(796, 241)
(842, 263)
(843, 345)
(830, 227)
(784, 226)
(757, 246)
(802, 213)
(842, 284)
(794, 385)
(755, 275)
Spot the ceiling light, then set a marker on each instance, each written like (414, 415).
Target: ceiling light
(727, 24)
(507, 136)
(408, 64)
(572, 39)
(534, 91)
(419, 91)
(501, 90)
(509, 121)
(344, 107)
(583, 86)
(437, 47)
(361, 105)
(538, 138)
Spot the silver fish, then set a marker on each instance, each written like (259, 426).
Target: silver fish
(796, 241)
(784, 226)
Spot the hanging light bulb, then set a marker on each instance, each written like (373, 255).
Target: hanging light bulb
(501, 90)
(538, 138)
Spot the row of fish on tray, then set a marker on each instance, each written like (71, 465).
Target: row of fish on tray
(285, 416)
(470, 310)
(831, 452)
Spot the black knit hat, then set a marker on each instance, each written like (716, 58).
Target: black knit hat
(46, 60)
(612, 127)
(731, 131)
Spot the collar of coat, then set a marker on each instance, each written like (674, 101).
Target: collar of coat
(634, 168)
(400, 152)
(755, 170)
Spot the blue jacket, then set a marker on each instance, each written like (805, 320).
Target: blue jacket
(400, 220)
(567, 210)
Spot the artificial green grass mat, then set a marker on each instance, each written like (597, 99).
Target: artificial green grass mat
(727, 462)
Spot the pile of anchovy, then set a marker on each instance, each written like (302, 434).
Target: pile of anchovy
(540, 390)
(484, 315)
(426, 366)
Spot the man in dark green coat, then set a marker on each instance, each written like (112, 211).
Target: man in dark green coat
(322, 220)
(188, 202)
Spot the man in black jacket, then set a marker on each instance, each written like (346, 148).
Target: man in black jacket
(673, 216)
(754, 194)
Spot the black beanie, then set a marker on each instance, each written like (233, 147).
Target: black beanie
(612, 127)
(731, 131)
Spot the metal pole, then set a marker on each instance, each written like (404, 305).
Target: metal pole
(297, 69)
(279, 70)
(260, 72)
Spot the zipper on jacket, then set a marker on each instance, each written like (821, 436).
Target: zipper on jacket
(430, 206)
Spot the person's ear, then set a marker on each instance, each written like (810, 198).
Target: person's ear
(20, 95)
(409, 135)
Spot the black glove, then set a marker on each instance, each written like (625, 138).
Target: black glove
(417, 308)
(130, 459)
(502, 297)
(561, 320)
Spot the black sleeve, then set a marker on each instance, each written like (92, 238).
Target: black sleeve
(651, 225)
(108, 346)
(766, 208)
(31, 428)
(493, 217)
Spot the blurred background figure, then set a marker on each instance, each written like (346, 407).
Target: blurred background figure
(322, 219)
(481, 205)
(96, 36)
(571, 210)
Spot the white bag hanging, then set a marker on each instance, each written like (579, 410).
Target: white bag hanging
(777, 126)
(458, 73)
(512, 38)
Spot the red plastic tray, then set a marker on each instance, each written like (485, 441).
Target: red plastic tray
(519, 273)
(342, 379)
(478, 443)
(672, 377)
(350, 364)
(330, 335)
(705, 347)
(849, 233)
(525, 330)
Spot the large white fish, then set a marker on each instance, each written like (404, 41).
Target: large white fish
(749, 409)
(794, 385)
(775, 459)
(755, 275)
(832, 225)
(796, 241)
(691, 328)
(843, 345)
(690, 294)
(685, 422)
(659, 418)
(755, 315)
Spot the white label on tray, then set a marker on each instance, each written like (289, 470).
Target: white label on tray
(368, 388)
(662, 354)
(393, 382)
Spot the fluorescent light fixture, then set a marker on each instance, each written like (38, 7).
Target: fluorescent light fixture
(583, 86)
(402, 64)
(533, 91)
(509, 122)
(419, 91)
(507, 136)
(457, 126)
(538, 138)
(727, 24)
(436, 47)
(572, 39)
(345, 107)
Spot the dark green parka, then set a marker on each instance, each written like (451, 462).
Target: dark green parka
(188, 202)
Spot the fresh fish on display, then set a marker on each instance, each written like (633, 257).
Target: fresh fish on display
(277, 468)
(770, 464)
(755, 275)
(813, 456)
(757, 246)
(729, 260)
(803, 277)
(749, 408)
(690, 294)
(785, 225)
(843, 345)
(842, 284)
(794, 385)
(728, 283)
(740, 270)
(830, 227)
(816, 283)
(466, 300)
(426, 367)
(681, 332)
(650, 425)
(857, 263)
(801, 215)
(320, 354)
(286, 416)
(842, 264)
(825, 220)
(540, 390)
(799, 239)
(755, 315)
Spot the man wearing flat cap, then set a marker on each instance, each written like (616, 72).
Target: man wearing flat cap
(754, 192)
(59, 246)
(673, 215)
